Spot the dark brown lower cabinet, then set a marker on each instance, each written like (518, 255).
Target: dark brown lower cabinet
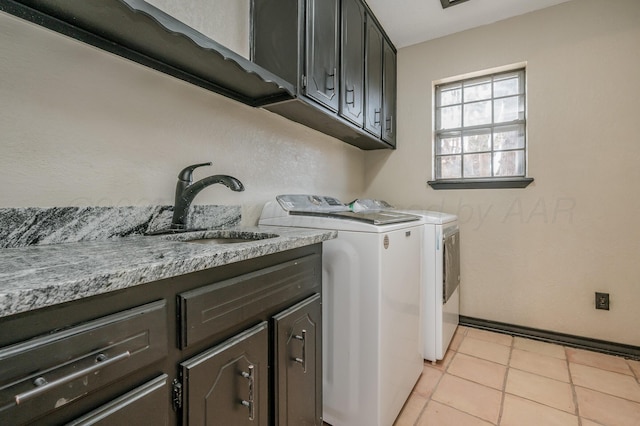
(229, 383)
(239, 344)
(298, 364)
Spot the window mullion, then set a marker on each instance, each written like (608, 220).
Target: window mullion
(481, 126)
(462, 123)
(493, 131)
(493, 122)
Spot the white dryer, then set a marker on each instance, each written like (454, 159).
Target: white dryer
(440, 275)
(372, 344)
(441, 281)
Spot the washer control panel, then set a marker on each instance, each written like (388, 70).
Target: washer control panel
(311, 203)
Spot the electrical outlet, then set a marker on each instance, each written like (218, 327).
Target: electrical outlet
(602, 301)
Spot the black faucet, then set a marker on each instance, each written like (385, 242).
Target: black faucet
(186, 191)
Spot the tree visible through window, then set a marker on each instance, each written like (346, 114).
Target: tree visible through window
(480, 128)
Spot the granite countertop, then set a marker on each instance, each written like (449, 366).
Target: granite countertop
(34, 277)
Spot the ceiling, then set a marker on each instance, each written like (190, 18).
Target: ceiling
(409, 22)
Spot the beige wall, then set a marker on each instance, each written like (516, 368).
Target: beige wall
(535, 256)
(79, 126)
(225, 21)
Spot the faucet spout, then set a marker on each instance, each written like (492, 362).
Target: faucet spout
(228, 181)
(186, 191)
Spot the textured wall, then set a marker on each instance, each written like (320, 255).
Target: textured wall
(81, 127)
(536, 256)
(225, 21)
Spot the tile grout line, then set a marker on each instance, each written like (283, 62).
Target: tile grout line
(424, 407)
(636, 375)
(504, 381)
(573, 386)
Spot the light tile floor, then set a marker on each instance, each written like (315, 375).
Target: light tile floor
(494, 379)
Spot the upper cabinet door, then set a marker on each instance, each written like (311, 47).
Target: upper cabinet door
(389, 95)
(373, 78)
(352, 61)
(321, 65)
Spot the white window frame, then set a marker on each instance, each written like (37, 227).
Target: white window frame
(458, 153)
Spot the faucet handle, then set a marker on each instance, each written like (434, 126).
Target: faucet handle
(186, 174)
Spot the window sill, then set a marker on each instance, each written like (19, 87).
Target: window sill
(480, 183)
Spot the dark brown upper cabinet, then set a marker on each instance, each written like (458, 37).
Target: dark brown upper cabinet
(389, 78)
(322, 50)
(320, 47)
(380, 77)
(373, 116)
(352, 55)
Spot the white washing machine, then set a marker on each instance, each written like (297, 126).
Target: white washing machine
(440, 275)
(372, 342)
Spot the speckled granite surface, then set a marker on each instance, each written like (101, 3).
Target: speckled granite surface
(21, 227)
(43, 275)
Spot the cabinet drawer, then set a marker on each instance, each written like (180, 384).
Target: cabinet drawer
(51, 371)
(145, 405)
(228, 306)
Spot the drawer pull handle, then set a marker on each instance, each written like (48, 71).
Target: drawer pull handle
(302, 360)
(42, 385)
(251, 402)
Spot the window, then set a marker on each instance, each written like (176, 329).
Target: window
(480, 137)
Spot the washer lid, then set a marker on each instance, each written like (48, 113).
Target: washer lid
(372, 217)
(330, 207)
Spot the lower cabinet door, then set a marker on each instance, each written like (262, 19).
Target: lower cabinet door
(228, 384)
(298, 364)
(145, 405)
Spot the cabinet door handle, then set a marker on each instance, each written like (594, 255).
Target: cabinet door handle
(390, 124)
(303, 359)
(251, 402)
(43, 386)
(333, 76)
(376, 116)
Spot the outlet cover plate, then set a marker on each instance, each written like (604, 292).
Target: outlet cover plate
(602, 301)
